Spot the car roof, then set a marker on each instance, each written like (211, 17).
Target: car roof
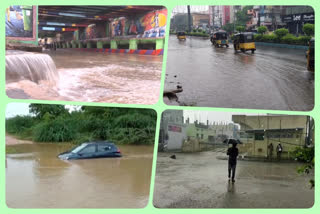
(98, 142)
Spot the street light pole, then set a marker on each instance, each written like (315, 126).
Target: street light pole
(189, 19)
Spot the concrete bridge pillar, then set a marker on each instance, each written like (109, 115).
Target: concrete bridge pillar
(73, 44)
(159, 44)
(99, 44)
(113, 44)
(133, 44)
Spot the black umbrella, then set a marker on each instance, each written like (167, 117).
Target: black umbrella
(232, 141)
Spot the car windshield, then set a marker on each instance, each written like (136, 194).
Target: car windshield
(79, 148)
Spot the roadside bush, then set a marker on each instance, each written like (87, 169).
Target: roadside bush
(194, 30)
(240, 28)
(198, 34)
(262, 29)
(258, 37)
(19, 124)
(281, 32)
(308, 29)
(269, 38)
(58, 130)
(122, 125)
(303, 40)
(289, 39)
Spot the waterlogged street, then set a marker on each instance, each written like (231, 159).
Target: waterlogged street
(84, 76)
(36, 178)
(271, 78)
(199, 180)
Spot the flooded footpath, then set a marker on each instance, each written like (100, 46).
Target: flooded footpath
(199, 180)
(36, 178)
(74, 75)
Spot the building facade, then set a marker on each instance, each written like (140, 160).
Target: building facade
(172, 130)
(296, 16)
(258, 132)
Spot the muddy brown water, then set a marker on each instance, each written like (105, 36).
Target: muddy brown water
(84, 76)
(36, 178)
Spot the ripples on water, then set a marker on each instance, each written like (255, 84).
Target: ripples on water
(272, 78)
(36, 178)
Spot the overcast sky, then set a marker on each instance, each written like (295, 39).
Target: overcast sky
(14, 109)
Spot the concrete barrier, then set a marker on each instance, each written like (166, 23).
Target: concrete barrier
(158, 52)
(279, 45)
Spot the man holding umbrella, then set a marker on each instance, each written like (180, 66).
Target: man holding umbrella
(233, 154)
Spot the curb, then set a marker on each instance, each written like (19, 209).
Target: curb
(158, 52)
(279, 45)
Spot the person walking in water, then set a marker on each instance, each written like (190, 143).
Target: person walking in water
(279, 151)
(232, 163)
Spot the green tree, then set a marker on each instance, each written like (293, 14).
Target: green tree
(242, 16)
(305, 155)
(308, 29)
(39, 110)
(281, 32)
(228, 27)
(240, 28)
(262, 29)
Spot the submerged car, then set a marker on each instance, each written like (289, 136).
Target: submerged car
(88, 150)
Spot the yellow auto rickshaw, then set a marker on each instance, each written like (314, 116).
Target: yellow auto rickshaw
(310, 56)
(181, 35)
(244, 42)
(219, 39)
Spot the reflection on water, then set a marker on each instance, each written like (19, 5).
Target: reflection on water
(271, 78)
(36, 178)
(98, 77)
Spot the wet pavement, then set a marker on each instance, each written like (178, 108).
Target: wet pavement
(94, 77)
(36, 178)
(271, 78)
(199, 180)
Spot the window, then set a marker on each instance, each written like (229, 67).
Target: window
(88, 149)
(201, 136)
(259, 136)
(103, 147)
(79, 148)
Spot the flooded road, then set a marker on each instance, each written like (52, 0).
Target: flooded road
(93, 77)
(199, 180)
(271, 78)
(36, 178)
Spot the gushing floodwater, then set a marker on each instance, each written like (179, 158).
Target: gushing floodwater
(36, 178)
(96, 77)
(30, 66)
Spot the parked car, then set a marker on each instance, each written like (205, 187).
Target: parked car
(96, 149)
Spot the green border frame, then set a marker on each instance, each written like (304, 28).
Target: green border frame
(159, 107)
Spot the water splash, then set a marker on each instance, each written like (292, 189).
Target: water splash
(35, 67)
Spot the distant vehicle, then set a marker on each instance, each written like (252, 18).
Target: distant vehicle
(219, 39)
(310, 56)
(244, 42)
(94, 149)
(181, 35)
